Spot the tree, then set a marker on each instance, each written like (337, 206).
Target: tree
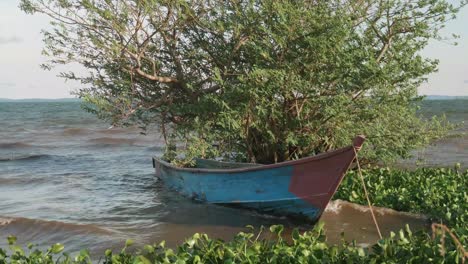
(267, 81)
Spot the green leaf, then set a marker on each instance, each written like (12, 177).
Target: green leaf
(162, 244)
(129, 242)
(295, 234)
(276, 229)
(17, 249)
(150, 249)
(57, 248)
(144, 260)
(11, 240)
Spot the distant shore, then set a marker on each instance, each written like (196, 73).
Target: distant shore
(38, 100)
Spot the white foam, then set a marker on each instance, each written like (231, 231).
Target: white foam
(334, 206)
(6, 221)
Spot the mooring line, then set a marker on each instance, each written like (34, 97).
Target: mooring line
(457, 242)
(367, 194)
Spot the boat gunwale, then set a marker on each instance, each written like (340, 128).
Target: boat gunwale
(255, 168)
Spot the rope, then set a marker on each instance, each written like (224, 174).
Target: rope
(457, 242)
(444, 228)
(367, 194)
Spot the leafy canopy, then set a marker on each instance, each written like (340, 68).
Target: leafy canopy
(267, 81)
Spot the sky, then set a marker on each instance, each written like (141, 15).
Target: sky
(21, 45)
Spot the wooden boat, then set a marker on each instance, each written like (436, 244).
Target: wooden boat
(297, 188)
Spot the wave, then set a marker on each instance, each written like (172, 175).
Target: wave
(72, 131)
(76, 131)
(14, 145)
(23, 157)
(337, 206)
(22, 181)
(106, 141)
(112, 131)
(25, 225)
(155, 148)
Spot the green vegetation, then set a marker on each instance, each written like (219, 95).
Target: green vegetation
(309, 247)
(267, 81)
(440, 193)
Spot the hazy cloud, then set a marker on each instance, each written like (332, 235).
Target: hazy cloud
(466, 81)
(9, 40)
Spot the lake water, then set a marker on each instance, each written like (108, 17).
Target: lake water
(450, 150)
(67, 177)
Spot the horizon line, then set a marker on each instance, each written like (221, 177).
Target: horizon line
(77, 98)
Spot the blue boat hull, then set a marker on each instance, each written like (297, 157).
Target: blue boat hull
(297, 188)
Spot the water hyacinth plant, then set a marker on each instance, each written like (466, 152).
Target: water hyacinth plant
(440, 193)
(308, 247)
